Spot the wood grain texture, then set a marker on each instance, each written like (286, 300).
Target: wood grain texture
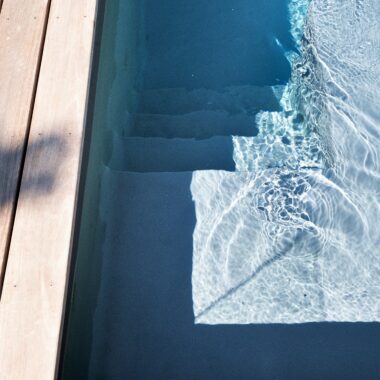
(22, 25)
(32, 302)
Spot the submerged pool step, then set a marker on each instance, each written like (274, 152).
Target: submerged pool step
(139, 154)
(237, 99)
(198, 124)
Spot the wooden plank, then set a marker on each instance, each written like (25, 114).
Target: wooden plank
(22, 26)
(32, 304)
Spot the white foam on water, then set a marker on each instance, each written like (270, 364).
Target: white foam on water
(292, 236)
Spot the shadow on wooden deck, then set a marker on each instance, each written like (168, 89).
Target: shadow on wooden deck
(35, 186)
(16, 182)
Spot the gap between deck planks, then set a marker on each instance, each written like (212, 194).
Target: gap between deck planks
(22, 33)
(32, 303)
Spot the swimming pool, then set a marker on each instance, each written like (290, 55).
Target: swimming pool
(232, 193)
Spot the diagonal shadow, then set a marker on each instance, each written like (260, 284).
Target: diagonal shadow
(250, 278)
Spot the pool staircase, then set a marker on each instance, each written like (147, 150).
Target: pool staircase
(184, 130)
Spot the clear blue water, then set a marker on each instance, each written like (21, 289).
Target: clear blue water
(231, 201)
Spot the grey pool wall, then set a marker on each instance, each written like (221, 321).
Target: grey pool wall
(105, 111)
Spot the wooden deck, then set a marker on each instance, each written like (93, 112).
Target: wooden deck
(45, 62)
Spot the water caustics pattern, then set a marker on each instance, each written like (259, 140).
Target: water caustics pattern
(292, 235)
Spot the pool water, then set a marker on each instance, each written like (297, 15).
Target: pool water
(231, 194)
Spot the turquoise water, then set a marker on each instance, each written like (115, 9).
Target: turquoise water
(232, 194)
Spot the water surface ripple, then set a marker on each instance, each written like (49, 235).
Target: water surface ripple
(292, 236)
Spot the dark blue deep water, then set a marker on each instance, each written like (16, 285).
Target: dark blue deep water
(173, 81)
